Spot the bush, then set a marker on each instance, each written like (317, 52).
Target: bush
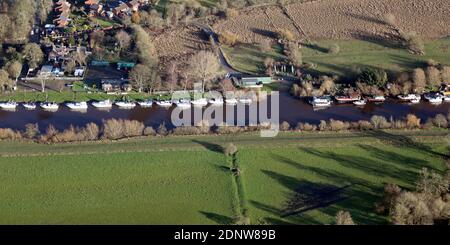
(364, 125)
(31, 131)
(334, 49)
(228, 38)
(186, 130)
(231, 13)
(7, 133)
(149, 131)
(112, 129)
(90, 132)
(230, 150)
(284, 126)
(336, 125)
(286, 35)
(306, 127)
(379, 122)
(374, 77)
(440, 121)
(412, 121)
(132, 128)
(162, 130)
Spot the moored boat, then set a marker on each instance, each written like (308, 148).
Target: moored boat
(200, 102)
(145, 103)
(8, 105)
(77, 105)
(447, 98)
(320, 102)
(347, 99)
(216, 101)
(102, 104)
(409, 97)
(231, 101)
(52, 106)
(245, 100)
(125, 104)
(360, 102)
(377, 98)
(164, 103)
(29, 105)
(434, 98)
(183, 103)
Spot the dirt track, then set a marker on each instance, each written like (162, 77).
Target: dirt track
(344, 19)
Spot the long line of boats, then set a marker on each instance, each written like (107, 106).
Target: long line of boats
(326, 101)
(107, 104)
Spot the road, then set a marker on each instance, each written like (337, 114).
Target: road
(210, 33)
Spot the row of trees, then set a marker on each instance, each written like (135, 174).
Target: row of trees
(114, 129)
(428, 204)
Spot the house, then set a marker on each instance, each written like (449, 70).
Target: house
(251, 81)
(46, 71)
(63, 9)
(79, 71)
(115, 85)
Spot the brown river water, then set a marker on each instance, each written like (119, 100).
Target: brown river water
(291, 110)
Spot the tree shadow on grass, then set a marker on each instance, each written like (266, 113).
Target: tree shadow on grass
(393, 157)
(315, 47)
(218, 218)
(403, 141)
(306, 195)
(210, 146)
(386, 39)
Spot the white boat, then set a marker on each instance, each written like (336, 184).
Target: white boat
(49, 106)
(415, 101)
(125, 104)
(8, 105)
(183, 103)
(164, 103)
(245, 101)
(102, 104)
(29, 105)
(360, 102)
(77, 105)
(231, 101)
(200, 102)
(434, 98)
(320, 102)
(409, 97)
(216, 101)
(146, 103)
(447, 98)
(378, 98)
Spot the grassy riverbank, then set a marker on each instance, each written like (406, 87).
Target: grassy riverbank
(186, 180)
(60, 97)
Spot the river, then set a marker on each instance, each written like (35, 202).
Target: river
(291, 110)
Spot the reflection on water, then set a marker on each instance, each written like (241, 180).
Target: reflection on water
(291, 110)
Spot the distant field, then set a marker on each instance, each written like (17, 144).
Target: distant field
(353, 54)
(185, 180)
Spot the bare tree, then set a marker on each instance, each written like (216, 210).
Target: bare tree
(4, 80)
(123, 39)
(14, 69)
(33, 54)
(419, 79)
(204, 66)
(139, 76)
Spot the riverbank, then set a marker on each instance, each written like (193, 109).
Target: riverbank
(186, 179)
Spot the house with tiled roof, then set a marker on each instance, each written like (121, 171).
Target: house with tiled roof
(63, 10)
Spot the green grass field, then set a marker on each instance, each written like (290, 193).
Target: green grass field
(353, 54)
(186, 180)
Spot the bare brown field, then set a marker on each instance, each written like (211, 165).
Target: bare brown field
(179, 43)
(320, 19)
(343, 19)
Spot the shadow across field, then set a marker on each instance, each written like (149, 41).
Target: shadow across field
(403, 141)
(210, 146)
(218, 218)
